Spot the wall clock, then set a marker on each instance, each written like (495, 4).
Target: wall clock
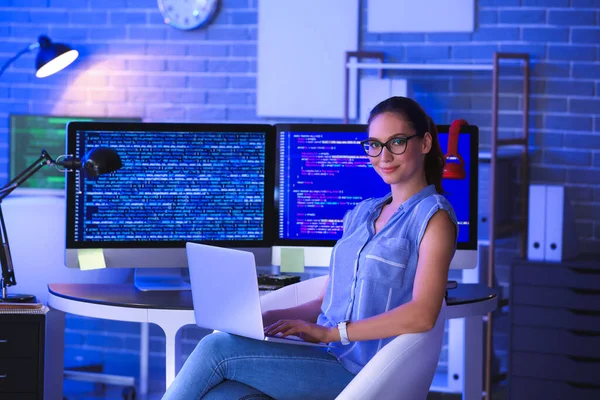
(188, 14)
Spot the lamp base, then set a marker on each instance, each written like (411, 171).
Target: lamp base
(18, 298)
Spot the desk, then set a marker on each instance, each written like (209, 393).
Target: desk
(466, 306)
(173, 310)
(169, 310)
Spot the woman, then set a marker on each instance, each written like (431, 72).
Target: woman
(387, 277)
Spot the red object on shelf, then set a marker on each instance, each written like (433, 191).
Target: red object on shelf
(454, 167)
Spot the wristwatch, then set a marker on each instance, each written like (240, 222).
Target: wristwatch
(343, 332)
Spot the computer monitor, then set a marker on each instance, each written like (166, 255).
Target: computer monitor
(323, 172)
(29, 134)
(205, 183)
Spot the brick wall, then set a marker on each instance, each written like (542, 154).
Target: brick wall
(562, 36)
(132, 64)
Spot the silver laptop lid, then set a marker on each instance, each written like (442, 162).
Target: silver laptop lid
(225, 290)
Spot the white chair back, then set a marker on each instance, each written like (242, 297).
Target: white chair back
(403, 369)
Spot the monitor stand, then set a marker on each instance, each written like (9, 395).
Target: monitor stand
(161, 279)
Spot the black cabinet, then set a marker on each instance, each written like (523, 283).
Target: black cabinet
(555, 329)
(22, 355)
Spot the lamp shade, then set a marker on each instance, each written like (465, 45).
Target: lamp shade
(454, 167)
(53, 57)
(101, 160)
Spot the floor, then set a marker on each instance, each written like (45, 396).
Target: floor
(496, 395)
(116, 394)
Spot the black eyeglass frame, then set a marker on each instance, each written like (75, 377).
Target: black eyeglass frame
(387, 145)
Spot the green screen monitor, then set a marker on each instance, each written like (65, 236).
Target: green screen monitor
(29, 134)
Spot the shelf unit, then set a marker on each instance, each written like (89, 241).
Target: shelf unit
(519, 227)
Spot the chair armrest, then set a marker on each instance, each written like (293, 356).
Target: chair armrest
(293, 295)
(404, 368)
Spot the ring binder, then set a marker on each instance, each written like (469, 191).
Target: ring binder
(551, 234)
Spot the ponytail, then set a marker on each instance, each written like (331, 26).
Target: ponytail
(434, 160)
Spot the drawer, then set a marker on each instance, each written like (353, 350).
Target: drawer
(556, 341)
(18, 375)
(579, 299)
(575, 370)
(19, 340)
(583, 320)
(526, 388)
(556, 275)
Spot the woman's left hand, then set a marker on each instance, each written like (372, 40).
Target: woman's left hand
(305, 330)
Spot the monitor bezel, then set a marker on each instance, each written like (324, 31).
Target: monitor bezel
(471, 130)
(25, 190)
(269, 130)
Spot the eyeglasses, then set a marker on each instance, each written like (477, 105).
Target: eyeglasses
(396, 145)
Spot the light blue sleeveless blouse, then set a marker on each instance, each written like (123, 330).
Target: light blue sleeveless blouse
(374, 273)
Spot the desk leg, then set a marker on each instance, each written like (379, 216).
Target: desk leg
(172, 349)
(465, 356)
(144, 358)
(473, 363)
(456, 354)
(55, 355)
(172, 353)
(171, 321)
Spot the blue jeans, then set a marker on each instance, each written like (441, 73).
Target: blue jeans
(260, 370)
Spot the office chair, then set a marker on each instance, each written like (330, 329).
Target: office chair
(404, 368)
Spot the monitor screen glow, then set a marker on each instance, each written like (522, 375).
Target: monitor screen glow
(179, 183)
(323, 172)
(29, 134)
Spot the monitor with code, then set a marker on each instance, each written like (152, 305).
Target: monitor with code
(206, 183)
(323, 172)
(29, 134)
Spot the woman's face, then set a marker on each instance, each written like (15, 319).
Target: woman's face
(398, 168)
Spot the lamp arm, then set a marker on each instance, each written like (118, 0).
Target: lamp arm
(27, 49)
(18, 180)
(7, 278)
(8, 274)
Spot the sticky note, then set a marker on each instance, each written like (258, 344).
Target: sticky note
(292, 260)
(91, 259)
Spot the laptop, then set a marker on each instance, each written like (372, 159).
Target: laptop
(225, 293)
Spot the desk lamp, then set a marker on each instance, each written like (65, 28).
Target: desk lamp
(98, 161)
(51, 58)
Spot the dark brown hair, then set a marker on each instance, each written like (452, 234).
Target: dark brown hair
(413, 113)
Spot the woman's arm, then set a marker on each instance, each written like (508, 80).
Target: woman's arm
(308, 311)
(419, 314)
